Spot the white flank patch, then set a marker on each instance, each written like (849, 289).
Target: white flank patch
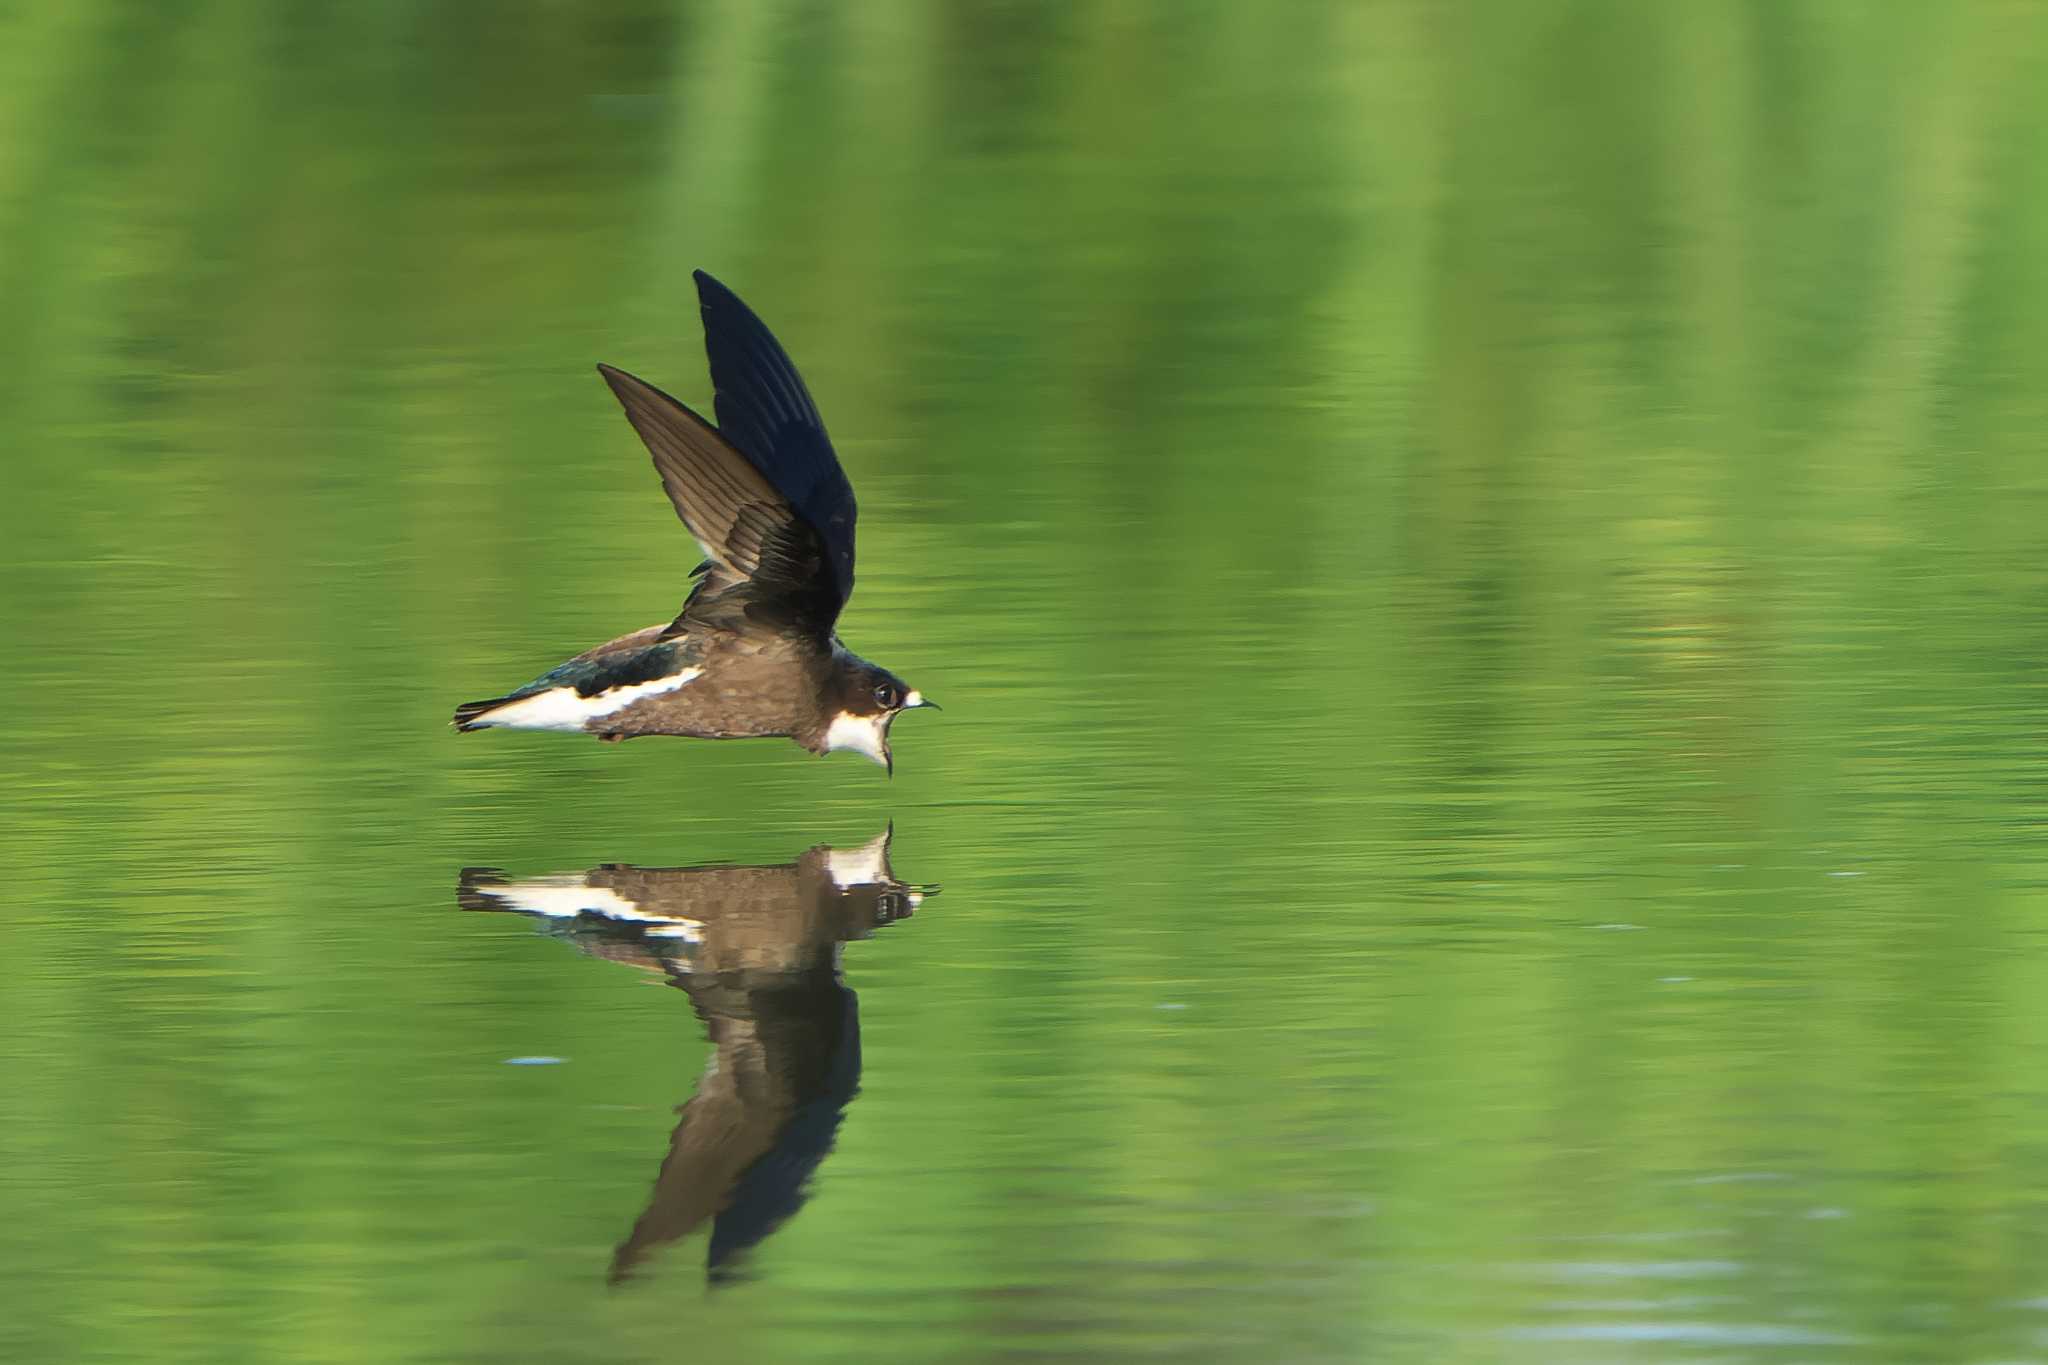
(571, 898)
(862, 734)
(564, 898)
(563, 708)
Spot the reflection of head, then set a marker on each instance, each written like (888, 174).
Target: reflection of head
(756, 949)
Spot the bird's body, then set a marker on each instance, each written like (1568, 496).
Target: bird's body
(718, 685)
(754, 652)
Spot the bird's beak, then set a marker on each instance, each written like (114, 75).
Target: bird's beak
(918, 701)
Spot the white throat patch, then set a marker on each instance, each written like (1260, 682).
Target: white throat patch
(863, 734)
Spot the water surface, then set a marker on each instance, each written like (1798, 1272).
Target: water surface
(1487, 570)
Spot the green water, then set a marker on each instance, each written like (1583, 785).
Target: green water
(1488, 568)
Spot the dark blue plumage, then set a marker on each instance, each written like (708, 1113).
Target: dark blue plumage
(599, 673)
(766, 412)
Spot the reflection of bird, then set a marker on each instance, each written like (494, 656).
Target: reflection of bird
(753, 651)
(757, 950)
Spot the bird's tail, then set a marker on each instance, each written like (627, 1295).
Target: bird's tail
(470, 715)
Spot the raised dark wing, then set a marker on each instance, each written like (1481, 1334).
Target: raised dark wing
(767, 564)
(765, 410)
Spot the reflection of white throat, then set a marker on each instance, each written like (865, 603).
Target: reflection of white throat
(867, 865)
(862, 734)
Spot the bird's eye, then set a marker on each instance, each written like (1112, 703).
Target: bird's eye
(886, 696)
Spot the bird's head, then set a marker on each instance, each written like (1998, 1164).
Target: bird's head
(866, 701)
(868, 889)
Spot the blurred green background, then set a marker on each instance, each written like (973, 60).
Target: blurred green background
(1487, 563)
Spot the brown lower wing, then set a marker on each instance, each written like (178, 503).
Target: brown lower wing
(767, 564)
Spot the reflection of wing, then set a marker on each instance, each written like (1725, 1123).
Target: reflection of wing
(766, 562)
(774, 1187)
(764, 1115)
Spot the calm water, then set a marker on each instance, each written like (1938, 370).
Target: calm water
(1488, 569)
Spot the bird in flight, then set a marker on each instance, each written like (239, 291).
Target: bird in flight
(754, 651)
